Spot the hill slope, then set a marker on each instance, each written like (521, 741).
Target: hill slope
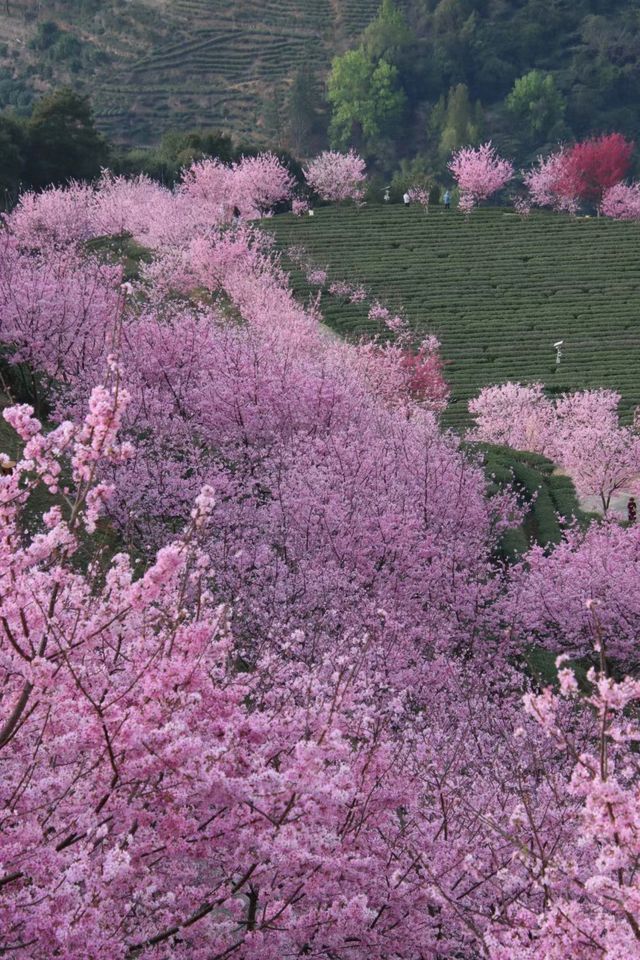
(153, 64)
(497, 291)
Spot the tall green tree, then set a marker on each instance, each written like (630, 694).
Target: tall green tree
(302, 110)
(12, 153)
(366, 98)
(536, 104)
(459, 120)
(63, 142)
(389, 36)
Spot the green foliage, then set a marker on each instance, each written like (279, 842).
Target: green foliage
(389, 36)
(411, 173)
(536, 105)
(15, 92)
(122, 249)
(303, 106)
(271, 118)
(366, 99)
(62, 140)
(47, 34)
(549, 506)
(142, 57)
(12, 150)
(458, 121)
(182, 148)
(540, 664)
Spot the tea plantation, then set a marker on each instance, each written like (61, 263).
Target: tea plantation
(151, 65)
(498, 291)
(218, 63)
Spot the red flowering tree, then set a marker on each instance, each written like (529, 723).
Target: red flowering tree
(594, 166)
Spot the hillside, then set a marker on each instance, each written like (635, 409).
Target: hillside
(153, 64)
(497, 291)
(150, 65)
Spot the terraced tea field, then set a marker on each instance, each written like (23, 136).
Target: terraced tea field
(185, 63)
(498, 291)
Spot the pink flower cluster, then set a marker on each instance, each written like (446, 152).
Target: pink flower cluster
(622, 202)
(419, 195)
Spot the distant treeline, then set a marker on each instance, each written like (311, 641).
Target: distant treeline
(60, 142)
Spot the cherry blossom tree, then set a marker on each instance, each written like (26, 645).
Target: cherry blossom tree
(579, 431)
(59, 312)
(622, 202)
(582, 173)
(550, 186)
(419, 195)
(337, 176)
(514, 415)
(57, 216)
(253, 186)
(479, 172)
(546, 602)
(592, 901)
(601, 456)
(129, 744)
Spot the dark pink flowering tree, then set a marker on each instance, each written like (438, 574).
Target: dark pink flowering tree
(479, 172)
(594, 166)
(337, 176)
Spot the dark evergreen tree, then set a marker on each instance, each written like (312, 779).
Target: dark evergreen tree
(63, 142)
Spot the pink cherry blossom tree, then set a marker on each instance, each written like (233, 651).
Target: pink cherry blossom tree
(550, 185)
(419, 195)
(622, 202)
(580, 431)
(479, 172)
(546, 602)
(57, 216)
(514, 415)
(337, 176)
(130, 743)
(59, 312)
(591, 902)
(211, 191)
